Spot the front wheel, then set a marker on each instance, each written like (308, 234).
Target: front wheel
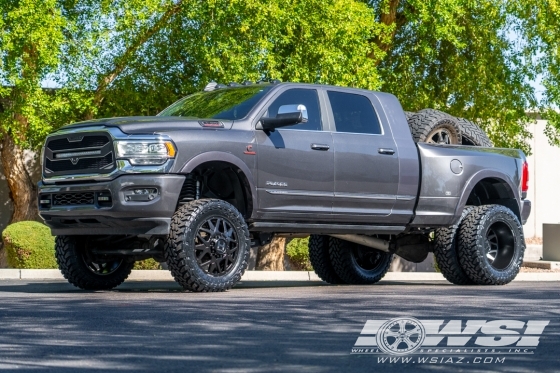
(208, 246)
(85, 270)
(491, 245)
(356, 264)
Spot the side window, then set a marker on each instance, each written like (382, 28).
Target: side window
(353, 113)
(297, 96)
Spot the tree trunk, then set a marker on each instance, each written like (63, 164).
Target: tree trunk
(388, 17)
(23, 192)
(271, 257)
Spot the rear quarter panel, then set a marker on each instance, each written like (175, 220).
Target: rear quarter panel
(444, 193)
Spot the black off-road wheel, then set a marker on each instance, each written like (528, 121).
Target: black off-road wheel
(320, 260)
(207, 249)
(446, 253)
(435, 127)
(491, 245)
(84, 270)
(356, 264)
(472, 134)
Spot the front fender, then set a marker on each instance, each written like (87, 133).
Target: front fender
(223, 157)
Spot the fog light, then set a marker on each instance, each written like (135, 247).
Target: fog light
(103, 198)
(143, 191)
(140, 194)
(45, 201)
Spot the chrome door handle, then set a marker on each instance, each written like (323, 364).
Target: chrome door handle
(386, 151)
(320, 147)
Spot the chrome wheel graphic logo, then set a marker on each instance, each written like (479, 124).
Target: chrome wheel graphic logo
(401, 336)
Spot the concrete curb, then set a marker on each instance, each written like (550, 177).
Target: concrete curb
(543, 264)
(162, 275)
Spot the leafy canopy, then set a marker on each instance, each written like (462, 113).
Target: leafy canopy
(474, 59)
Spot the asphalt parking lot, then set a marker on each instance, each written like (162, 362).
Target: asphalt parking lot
(256, 327)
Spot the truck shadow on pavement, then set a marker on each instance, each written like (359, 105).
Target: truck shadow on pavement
(60, 286)
(155, 326)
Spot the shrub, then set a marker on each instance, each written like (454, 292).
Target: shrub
(298, 253)
(147, 264)
(29, 244)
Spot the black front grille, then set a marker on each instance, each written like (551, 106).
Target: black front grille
(98, 199)
(79, 153)
(81, 165)
(73, 199)
(85, 142)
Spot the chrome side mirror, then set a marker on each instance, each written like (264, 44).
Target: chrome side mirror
(295, 108)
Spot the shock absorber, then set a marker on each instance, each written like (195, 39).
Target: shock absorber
(190, 190)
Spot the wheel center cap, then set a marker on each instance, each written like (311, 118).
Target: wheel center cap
(220, 246)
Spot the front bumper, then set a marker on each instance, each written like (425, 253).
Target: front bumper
(117, 217)
(525, 210)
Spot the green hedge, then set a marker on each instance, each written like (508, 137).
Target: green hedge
(298, 252)
(147, 264)
(29, 244)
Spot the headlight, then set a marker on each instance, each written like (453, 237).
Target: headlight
(145, 152)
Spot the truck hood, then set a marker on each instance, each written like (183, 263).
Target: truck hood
(148, 125)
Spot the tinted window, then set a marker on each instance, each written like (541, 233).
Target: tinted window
(224, 103)
(353, 113)
(307, 97)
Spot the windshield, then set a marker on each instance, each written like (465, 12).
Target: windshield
(228, 103)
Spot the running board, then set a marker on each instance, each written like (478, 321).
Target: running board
(324, 228)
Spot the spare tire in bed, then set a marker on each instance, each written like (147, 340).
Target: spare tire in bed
(434, 126)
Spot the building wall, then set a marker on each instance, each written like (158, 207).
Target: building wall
(544, 182)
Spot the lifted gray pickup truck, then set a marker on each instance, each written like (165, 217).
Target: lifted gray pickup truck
(224, 169)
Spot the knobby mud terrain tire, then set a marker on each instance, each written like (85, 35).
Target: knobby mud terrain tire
(84, 272)
(356, 264)
(207, 249)
(408, 115)
(472, 134)
(491, 245)
(320, 259)
(433, 126)
(446, 253)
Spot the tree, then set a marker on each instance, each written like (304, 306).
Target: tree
(30, 38)
(130, 57)
(536, 24)
(462, 57)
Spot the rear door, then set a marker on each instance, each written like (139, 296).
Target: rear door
(295, 164)
(366, 163)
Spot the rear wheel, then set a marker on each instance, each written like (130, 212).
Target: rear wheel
(491, 245)
(356, 264)
(208, 246)
(446, 253)
(320, 260)
(87, 271)
(436, 127)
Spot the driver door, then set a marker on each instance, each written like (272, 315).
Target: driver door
(295, 178)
